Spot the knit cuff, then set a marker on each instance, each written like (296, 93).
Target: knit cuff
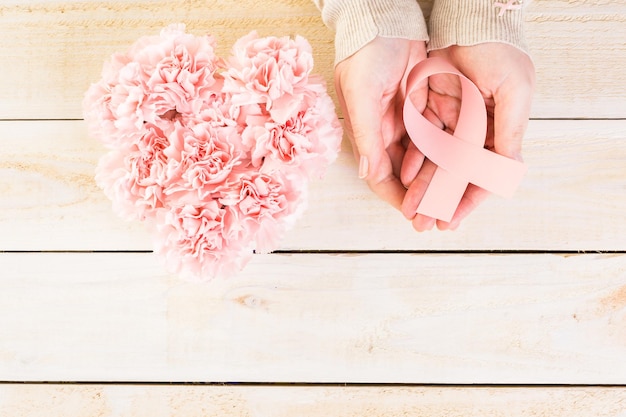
(470, 22)
(358, 22)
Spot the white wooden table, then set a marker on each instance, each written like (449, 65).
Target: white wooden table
(521, 312)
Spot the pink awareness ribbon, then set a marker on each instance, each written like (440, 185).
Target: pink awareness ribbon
(461, 158)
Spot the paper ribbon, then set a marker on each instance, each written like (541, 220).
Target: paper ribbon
(460, 158)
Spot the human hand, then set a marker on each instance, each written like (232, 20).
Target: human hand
(505, 77)
(370, 87)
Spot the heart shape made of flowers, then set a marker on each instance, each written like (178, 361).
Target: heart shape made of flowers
(212, 155)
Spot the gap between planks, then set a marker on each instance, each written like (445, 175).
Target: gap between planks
(308, 384)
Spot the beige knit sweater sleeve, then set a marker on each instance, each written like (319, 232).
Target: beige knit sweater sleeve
(452, 22)
(470, 22)
(357, 22)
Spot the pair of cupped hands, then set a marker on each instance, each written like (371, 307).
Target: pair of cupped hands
(371, 89)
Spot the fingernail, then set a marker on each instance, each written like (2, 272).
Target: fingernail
(364, 167)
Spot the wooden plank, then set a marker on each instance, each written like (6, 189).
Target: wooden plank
(579, 50)
(56, 48)
(498, 319)
(312, 401)
(49, 197)
(572, 198)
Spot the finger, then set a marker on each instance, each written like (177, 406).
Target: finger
(397, 153)
(414, 195)
(472, 198)
(423, 223)
(389, 189)
(411, 164)
(417, 189)
(447, 108)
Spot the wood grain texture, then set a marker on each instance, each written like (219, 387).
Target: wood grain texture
(411, 318)
(511, 319)
(56, 48)
(572, 199)
(578, 49)
(277, 401)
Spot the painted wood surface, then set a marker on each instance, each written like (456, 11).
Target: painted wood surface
(386, 318)
(282, 401)
(411, 319)
(56, 48)
(572, 198)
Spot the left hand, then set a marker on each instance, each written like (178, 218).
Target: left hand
(506, 77)
(370, 88)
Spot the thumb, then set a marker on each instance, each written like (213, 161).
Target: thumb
(367, 138)
(363, 123)
(364, 118)
(512, 103)
(375, 165)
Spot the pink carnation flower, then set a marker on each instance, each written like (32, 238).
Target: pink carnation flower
(200, 159)
(272, 71)
(308, 141)
(202, 241)
(160, 78)
(268, 204)
(132, 177)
